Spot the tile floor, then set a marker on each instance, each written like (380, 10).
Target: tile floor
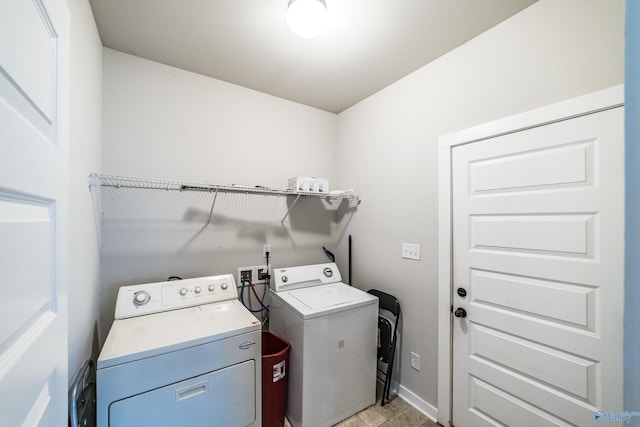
(395, 413)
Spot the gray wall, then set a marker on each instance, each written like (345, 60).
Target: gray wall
(84, 156)
(387, 145)
(165, 123)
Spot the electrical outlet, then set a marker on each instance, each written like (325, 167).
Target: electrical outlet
(415, 361)
(266, 248)
(256, 274)
(411, 251)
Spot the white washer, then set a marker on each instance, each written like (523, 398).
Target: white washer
(332, 329)
(181, 353)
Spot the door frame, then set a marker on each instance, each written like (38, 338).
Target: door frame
(605, 99)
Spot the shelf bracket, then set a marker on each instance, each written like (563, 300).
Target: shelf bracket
(215, 196)
(290, 209)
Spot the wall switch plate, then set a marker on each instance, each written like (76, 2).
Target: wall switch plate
(415, 361)
(411, 251)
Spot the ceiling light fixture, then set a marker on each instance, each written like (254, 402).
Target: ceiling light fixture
(307, 18)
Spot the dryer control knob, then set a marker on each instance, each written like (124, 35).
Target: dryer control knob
(197, 289)
(183, 291)
(211, 288)
(141, 298)
(224, 286)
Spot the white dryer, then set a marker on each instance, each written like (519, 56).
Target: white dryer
(181, 353)
(332, 329)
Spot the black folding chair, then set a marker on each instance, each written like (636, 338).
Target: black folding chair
(388, 316)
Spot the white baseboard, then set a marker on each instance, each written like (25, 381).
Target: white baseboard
(417, 402)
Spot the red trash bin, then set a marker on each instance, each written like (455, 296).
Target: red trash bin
(275, 361)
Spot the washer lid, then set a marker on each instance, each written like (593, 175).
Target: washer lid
(146, 336)
(325, 299)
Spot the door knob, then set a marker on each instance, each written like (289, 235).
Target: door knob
(461, 312)
(462, 292)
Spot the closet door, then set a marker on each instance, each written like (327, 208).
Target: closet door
(538, 229)
(33, 198)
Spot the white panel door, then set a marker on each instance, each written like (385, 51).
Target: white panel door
(538, 247)
(33, 193)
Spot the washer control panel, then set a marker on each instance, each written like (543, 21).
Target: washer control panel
(290, 278)
(148, 298)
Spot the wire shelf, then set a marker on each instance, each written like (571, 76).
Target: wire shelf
(119, 181)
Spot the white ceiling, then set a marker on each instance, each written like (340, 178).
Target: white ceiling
(369, 45)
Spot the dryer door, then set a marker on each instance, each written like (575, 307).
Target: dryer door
(226, 397)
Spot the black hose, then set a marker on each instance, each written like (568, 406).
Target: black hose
(329, 254)
(350, 260)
